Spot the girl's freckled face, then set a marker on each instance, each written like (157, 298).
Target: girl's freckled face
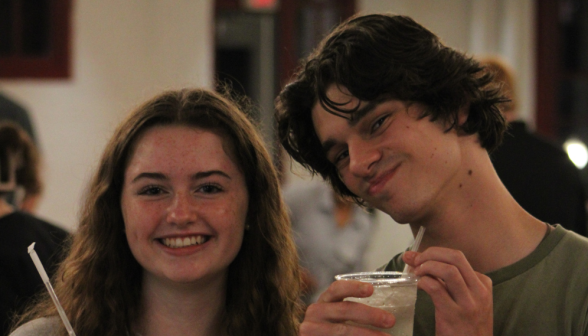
(184, 203)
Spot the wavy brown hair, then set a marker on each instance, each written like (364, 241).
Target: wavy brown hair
(380, 57)
(99, 283)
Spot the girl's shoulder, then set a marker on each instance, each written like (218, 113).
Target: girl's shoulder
(45, 326)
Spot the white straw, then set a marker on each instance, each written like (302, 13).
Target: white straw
(47, 283)
(415, 246)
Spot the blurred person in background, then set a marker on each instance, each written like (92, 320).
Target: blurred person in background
(25, 199)
(19, 279)
(538, 174)
(332, 234)
(10, 110)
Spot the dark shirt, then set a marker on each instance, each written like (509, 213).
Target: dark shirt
(19, 279)
(541, 178)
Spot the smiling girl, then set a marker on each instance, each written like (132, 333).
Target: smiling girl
(183, 231)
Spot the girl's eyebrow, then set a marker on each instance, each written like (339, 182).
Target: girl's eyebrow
(154, 176)
(210, 173)
(199, 175)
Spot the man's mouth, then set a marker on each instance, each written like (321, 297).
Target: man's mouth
(180, 242)
(377, 184)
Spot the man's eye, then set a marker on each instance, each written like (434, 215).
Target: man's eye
(378, 123)
(341, 156)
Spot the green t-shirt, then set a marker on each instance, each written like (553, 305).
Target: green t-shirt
(545, 293)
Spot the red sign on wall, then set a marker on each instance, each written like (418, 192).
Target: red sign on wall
(261, 4)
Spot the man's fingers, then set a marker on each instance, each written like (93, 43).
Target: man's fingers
(437, 291)
(337, 312)
(409, 256)
(333, 316)
(449, 278)
(342, 289)
(450, 257)
(339, 329)
(485, 280)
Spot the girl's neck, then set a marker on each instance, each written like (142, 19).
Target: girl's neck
(182, 309)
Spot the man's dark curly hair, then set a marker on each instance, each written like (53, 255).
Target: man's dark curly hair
(380, 57)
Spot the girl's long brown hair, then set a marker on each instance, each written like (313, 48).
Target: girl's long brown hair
(99, 283)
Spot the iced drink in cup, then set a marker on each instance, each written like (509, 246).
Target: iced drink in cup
(394, 292)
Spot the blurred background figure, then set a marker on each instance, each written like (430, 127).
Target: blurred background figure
(332, 234)
(539, 174)
(19, 279)
(13, 111)
(27, 195)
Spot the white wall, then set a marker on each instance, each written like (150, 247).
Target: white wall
(448, 19)
(123, 52)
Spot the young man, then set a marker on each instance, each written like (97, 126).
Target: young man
(393, 118)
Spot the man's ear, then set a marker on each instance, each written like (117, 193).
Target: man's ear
(462, 115)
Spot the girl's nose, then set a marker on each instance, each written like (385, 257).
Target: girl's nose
(181, 211)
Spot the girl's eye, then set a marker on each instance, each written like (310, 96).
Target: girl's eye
(378, 123)
(210, 189)
(151, 190)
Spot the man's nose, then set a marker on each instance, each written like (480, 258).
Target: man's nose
(362, 157)
(182, 210)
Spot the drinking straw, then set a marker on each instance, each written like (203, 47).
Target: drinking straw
(47, 283)
(415, 246)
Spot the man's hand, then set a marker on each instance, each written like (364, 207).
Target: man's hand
(329, 314)
(462, 297)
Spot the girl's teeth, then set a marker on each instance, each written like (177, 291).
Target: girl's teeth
(183, 242)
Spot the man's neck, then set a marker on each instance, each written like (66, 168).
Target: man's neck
(481, 218)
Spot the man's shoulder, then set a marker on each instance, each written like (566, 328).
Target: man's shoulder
(574, 246)
(45, 326)
(557, 281)
(566, 243)
(565, 261)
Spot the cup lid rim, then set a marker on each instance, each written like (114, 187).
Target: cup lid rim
(379, 277)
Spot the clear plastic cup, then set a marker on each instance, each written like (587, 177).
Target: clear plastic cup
(394, 292)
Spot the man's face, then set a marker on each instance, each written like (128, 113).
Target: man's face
(396, 162)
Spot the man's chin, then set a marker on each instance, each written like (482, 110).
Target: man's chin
(399, 214)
